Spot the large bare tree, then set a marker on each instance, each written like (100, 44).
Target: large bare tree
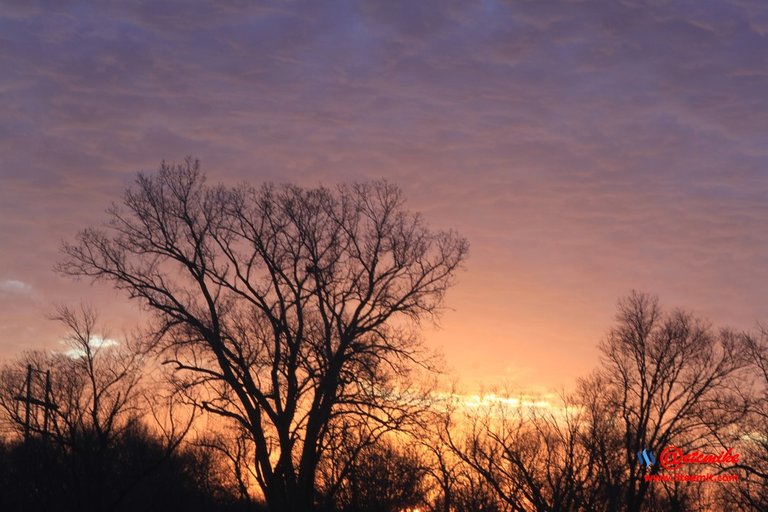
(286, 308)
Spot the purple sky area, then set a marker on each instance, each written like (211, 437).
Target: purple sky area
(584, 148)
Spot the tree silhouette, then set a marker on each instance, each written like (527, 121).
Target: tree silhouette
(285, 309)
(750, 436)
(531, 458)
(93, 448)
(665, 378)
(385, 476)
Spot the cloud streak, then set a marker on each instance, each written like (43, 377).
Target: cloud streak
(14, 286)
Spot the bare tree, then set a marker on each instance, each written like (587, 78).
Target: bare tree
(472, 493)
(388, 475)
(750, 437)
(665, 379)
(87, 406)
(442, 466)
(233, 447)
(602, 439)
(290, 307)
(531, 456)
(94, 384)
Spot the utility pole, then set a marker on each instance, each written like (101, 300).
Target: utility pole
(29, 400)
(48, 405)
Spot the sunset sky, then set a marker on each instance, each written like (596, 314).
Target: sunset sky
(583, 148)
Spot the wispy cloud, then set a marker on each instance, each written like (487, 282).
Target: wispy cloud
(14, 286)
(96, 343)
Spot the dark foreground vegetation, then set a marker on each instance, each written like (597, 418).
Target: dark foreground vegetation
(134, 472)
(280, 369)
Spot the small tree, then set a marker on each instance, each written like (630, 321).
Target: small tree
(93, 392)
(75, 422)
(531, 457)
(384, 476)
(290, 308)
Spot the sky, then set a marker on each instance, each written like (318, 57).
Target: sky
(585, 149)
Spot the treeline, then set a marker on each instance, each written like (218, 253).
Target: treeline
(86, 429)
(665, 380)
(119, 439)
(280, 367)
(133, 472)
